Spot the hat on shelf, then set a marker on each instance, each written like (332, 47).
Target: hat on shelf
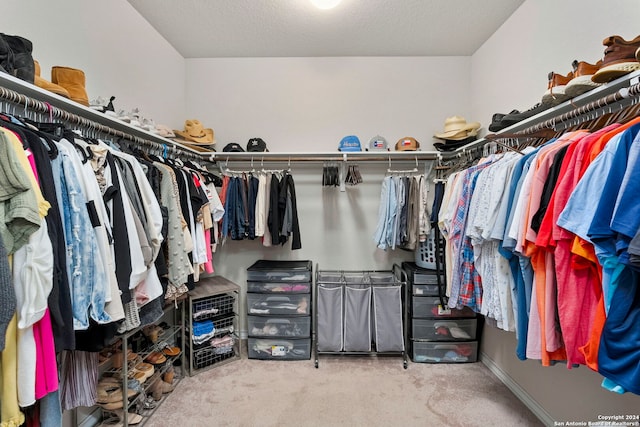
(164, 131)
(407, 143)
(232, 147)
(457, 128)
(452, 145)
(195, 133)
(378, 143)
(349, 143)
(197, 147)
(256, 145)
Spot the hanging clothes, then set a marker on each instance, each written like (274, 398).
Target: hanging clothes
(550, 233)
(85, 230)
(403, 215)
(261, 206)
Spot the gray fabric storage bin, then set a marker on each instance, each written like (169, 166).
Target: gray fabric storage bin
(388, 318)
(357, 318)
(330, 322)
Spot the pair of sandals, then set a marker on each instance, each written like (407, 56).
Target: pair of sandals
(142, 371)
(109, 392)
(154, 332)
(116, 418)
(164, 351)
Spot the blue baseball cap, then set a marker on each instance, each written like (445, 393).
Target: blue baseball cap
(350, 143)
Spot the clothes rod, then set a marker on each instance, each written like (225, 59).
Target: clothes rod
(48, 112)
(404, 156)
(621, 95)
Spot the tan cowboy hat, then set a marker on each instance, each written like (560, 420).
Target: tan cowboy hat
(457, 128)
(195, 133)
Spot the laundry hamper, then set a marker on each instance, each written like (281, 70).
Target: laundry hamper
(360, 313)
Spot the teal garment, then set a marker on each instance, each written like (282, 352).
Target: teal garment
(19, 215)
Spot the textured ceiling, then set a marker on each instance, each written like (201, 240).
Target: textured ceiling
(275, 28)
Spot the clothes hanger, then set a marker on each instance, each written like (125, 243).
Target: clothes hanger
(629, 113)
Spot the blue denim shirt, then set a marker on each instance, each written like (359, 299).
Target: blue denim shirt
(87, 280)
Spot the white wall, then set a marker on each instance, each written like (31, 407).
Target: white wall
(120, 53)
(309, 104)
(510, 71)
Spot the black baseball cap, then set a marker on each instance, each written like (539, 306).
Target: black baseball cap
(256, 145)
(232, 147)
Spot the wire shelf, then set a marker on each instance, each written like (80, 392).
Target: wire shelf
(209, 307)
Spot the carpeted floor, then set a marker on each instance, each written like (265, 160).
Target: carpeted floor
(343, 391)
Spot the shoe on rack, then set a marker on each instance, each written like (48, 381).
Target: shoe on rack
(513, 118)
(581, 82)
(73, 80)
(123, 116)
(104, 106)
(156, 358)
(47, 85)
(619, 59)
(145, 403)
(555, 93)
(21, 48)
(136, 119)
(164, 131)
(496, 121)
(143, 371)
(152, 332)
(116, 417)
(6, 56)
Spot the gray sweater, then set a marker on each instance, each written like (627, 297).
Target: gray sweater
(7, 294)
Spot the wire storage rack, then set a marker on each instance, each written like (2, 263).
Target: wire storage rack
(360, 313)
(211, 326)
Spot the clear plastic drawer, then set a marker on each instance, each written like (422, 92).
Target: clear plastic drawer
(430, 307)
(268, 304)
(443, 352)
(279, 287)
(294, 327)
(444, 330)
(279, 349)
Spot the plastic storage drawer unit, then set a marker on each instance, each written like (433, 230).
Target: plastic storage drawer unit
(445, 352)
(269, 326)
(444, 330)
(279, 348)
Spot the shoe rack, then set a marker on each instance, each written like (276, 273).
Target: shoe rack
(211, 324)
(146, 362)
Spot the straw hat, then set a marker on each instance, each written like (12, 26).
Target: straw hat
(457, 128)
(195, 133)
